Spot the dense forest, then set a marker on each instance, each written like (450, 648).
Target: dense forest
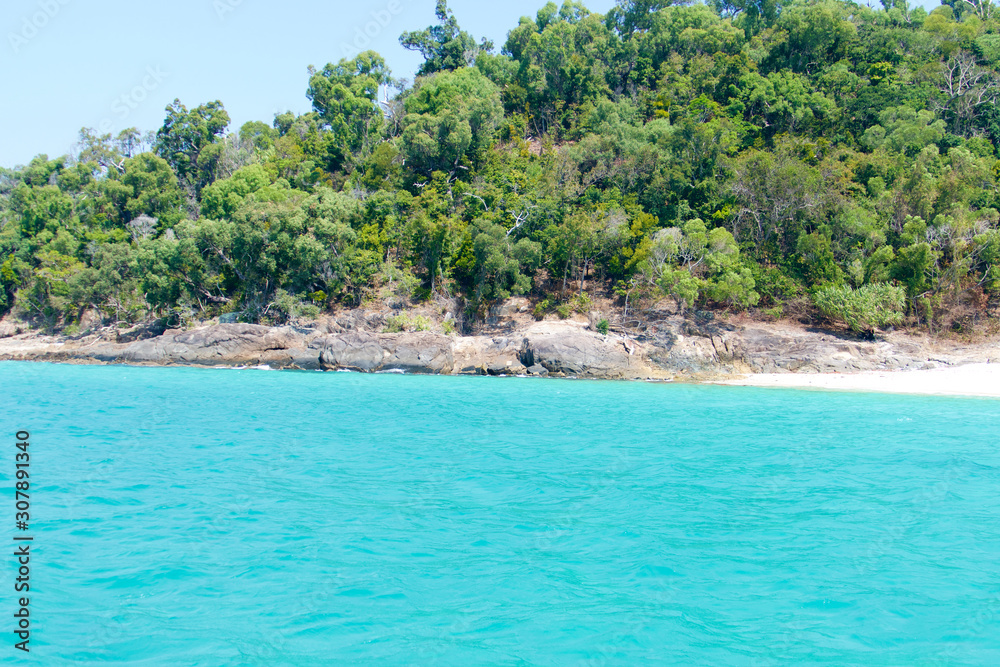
(809, 157)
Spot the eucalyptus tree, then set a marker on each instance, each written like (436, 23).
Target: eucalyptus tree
(346, 97)
(444, 46)
(451, 118)
(188, 141)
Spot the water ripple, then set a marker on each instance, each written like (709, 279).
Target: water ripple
(189, 517)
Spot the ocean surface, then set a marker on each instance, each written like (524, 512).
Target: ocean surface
(244, 517)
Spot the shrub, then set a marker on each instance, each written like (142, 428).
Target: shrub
(406, 322)
(734, 288)
(602, 327)
(541, 308)
(773, 286)
(774, 314)
(287, 306)
(863, 309)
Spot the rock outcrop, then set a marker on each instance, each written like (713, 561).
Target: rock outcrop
(579, 352)
(408, 352)
(698, 347)
(223, 343)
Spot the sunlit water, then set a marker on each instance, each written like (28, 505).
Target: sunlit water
(197, 516)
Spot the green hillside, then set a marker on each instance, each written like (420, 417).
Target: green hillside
(801, 158)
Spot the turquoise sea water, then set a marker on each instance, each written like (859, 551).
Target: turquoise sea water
(195, 516)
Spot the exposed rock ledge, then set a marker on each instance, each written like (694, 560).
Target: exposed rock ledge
(676, 347)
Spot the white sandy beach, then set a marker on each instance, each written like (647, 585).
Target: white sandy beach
(967, 380)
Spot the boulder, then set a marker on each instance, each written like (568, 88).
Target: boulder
(220, 344)
(91, 320)
(693, 347)
(504, 367)
(410, 352)
(479, 354)
(418, 352)
(142, 331)
(12, 327)
(577, 352)
(355, 350)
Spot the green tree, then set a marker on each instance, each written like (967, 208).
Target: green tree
(145, 186)
(444, 46)
(188, 141)
(223, 198)
(693, 262)
(496, 266)
(563, 62)
(345, 96)
(807, 35)
(628, 16)
(451, 117)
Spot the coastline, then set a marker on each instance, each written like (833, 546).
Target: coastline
(696, 349)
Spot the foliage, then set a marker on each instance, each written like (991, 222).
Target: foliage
(863, 309)
(451, 117)
(444, 46)
(187, 141)
(493, 265)
(345, 96)
(287, 307)
(406, 322)
(730, 155)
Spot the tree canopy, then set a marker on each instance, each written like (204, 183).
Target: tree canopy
(815, 157)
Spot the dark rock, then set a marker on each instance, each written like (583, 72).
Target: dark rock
(91, 320)
(495, 368)
(697, 347)
(418, 352)
(294, 358)
(144, 331)
(409, 352)
(577, 352)
(356, 350)
(220, 344)
(12, 327)
(507, 367)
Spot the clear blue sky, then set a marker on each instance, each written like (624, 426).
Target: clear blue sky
(68, 64)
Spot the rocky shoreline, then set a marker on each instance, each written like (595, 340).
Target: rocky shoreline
(675, 348)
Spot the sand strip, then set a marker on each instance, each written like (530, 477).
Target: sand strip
(966, 380)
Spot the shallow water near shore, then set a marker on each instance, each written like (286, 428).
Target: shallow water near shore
(186, 516)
